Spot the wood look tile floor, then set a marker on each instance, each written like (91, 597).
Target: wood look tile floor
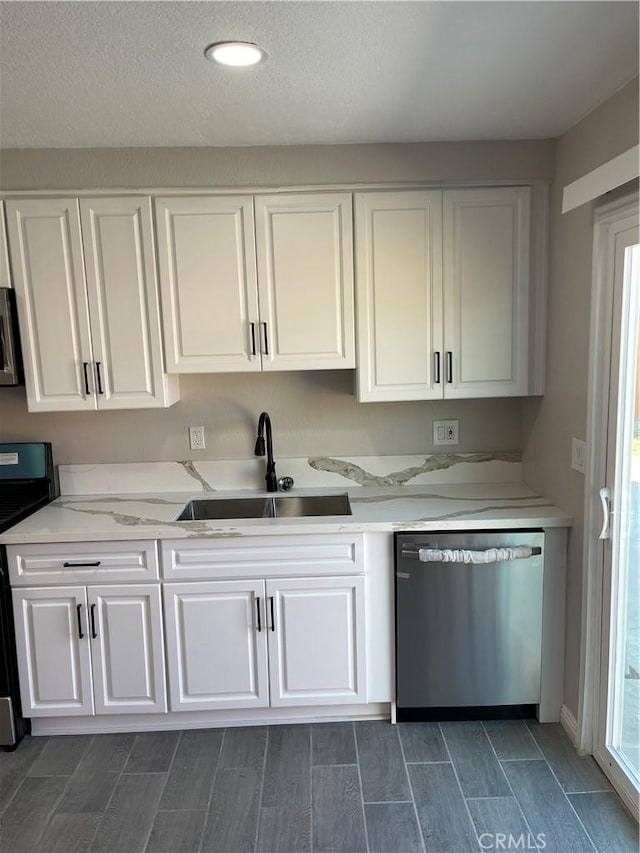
(365, 787)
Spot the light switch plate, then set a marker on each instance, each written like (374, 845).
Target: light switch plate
(578, 454)
(446, 432)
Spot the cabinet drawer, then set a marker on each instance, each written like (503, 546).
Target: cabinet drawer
(84, 562)
(273, 556)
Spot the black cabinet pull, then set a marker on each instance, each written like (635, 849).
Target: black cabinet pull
(436, 368)
(92, 611)
(99, 378)
(449, 367)
(85, 368)
(79, 615)
(265, 338)
(273, 620)
(259, 617)
(67, 565)
(252, 329)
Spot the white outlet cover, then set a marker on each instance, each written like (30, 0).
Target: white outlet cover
(578, 455)
(196, 438)
(446, 432)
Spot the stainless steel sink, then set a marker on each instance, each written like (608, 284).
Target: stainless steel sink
(225, 508)
(278, 506)
(294, 506)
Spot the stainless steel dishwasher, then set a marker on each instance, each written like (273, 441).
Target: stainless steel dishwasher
(468, 623)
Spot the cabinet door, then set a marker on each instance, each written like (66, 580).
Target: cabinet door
(206, 254)
(123, 303)
(317, 641)
(5, 270)
(125, 627)
(305, 278)
(53, 651)
(399, 295)
(216, 646)
(486, 291)
(46, 253)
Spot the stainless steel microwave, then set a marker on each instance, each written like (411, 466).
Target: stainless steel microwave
(10, 357)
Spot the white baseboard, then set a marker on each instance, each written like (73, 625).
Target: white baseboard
(108, 723)
(569, 724)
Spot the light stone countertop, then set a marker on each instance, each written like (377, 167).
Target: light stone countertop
(479, 506)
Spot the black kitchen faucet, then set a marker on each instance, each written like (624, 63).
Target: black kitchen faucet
(264, 425)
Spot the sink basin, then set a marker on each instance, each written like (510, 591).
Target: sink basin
(278, 506)
(294, 506)
(225, 508)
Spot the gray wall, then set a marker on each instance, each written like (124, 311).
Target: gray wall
(38, 169)
(313, 412)
(550, 422)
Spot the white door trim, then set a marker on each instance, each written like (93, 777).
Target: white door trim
(609, 220)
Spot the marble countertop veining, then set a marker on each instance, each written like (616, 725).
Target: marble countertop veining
(481, 506)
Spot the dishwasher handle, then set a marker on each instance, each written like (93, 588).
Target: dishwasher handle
(466, 555)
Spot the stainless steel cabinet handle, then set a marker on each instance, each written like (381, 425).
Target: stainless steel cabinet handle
(273, 619)
(436, 368)
(79, 616)
(92, 612)
(449, 366)
(68, 565)
(265, 339)
(99, 378)
(252, 332)
(259, 617)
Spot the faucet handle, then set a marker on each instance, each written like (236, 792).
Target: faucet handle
(285, 483)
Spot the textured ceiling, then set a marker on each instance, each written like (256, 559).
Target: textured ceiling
(108, 74)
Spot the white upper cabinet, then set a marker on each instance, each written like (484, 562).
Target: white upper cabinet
(274, 294)
(51, 296)
(443, 291)
(305, 281)
(399, 279)
(486, 292)
(5, 269)
(88, 342)
(206, 251)
(123, 304)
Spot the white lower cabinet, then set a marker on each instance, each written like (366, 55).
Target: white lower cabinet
(254, 643)
(316, 641)
(216, 658)
(54, 659)
(85, 650)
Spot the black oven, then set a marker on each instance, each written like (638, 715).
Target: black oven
(27, 482)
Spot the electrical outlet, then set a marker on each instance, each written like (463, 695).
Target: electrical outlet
(578, 454)
(196, 438)
(445, 432)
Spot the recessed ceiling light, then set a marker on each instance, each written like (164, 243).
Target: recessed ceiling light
(236, 53)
